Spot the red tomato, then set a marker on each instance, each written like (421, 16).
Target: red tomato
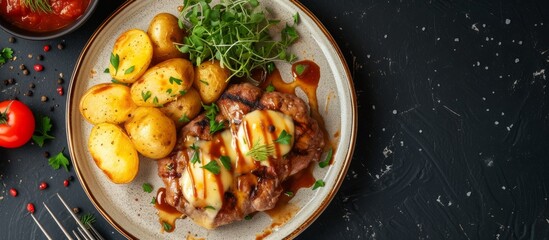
(16, 124)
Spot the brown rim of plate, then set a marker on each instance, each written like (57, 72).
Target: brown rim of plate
(325, 201)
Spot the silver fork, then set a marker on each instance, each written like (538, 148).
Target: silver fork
(86, 232)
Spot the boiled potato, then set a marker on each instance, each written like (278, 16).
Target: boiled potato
(163, 83)
(113, 152)
(164, 32)
(131, 56)
(185, 108)
(210, 79)
(107, 102)
(152, 132)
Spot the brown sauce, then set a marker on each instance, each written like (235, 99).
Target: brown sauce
(166, 213)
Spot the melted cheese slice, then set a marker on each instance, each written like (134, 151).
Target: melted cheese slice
(204, 189)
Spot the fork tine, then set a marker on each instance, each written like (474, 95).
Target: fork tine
(76, 235)
(41, 228)
(87, 234)
(95, 232)
(58, 223)
(82, 233)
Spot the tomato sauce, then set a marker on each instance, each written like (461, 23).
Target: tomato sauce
(63, 13)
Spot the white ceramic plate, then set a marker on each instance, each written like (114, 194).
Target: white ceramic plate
(128, 208)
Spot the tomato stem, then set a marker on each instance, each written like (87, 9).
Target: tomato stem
(4, 115)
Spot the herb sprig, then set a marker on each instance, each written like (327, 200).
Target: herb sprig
(260, 151)
(235, 33)
(38, 5)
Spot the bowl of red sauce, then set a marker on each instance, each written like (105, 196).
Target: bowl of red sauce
(44, 19)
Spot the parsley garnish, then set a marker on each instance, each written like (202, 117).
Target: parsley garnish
(5, 55)
(182, 92)
(248, 217)
(153, 200)
(260, 152)
(87, 219)
(43, 127)
(211, 113)
(209, 207)
(175, 80)
(146, 95)
(169, 91)
(296, 18)
(155, 102)
(147, 187)
(270, 67)
(213, 167)
(115, 60)
(58, 161)
(270, 88)
(106, 70)
(284, 138)
(195, 158)
(289, 193)
(184, 118)
(319, 183)
(118, 82)
(236, 34)
(326, 161)
(226, 161)
(167, 226)
(204, 82)
(300, 68)
(129, 70)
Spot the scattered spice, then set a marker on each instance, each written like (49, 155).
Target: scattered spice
(40, 57)
(11, 39)
(22, 67)
(30, 207)
(31, 85)
(44, 98)
(43, 185)
(46, 154)
(26, 72)
(60, 81)
(66, 183)
(60, 90)
(29, 93)
(71, 178)
(13, 192)
(60, 46)
(38, 67)
(47, 48)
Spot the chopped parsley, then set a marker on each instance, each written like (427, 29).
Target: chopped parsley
(260, 152)
(5, 55)
(226, 162)
(58, 161)
(147, 187)
(284, 138)
(319, 183)
(115, 61)
(326, 160)
(129, 70)
(270, 88)
(43, 127)
(146, 95)
(212, 167)
(195, 158)
(175, 80)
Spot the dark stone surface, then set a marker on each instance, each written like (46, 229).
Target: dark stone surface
(453, 139)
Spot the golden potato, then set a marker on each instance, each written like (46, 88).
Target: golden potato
(131, 56)
(107, 102)
(163, 83)
(210, 79)
(185, 108)
(113, 152)
(152, 132)
(164, 32)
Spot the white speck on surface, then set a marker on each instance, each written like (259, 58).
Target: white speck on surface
(468, 194)
(395, 111)
(420, 131)
(402, 143)
(507, 21)
(496, 123)
(539, 73)
(474, 27)
(383, 129)
(456, 39)
(520, 42)
(483, 99)
(368, 56)
(423, 29)
(421, 150)
(517, 60)
(438, 39)
(497, 54)
(387, 152)
(438, 200)
(502, 114)
(486, 67)
(385, 36)
(449, 203)
(489, 162)
(374, 107)
(509, 127)
(487, 109)
(478, 63)
(547, 220)
(503, 187)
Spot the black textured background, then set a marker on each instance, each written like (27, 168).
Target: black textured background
(453, 139)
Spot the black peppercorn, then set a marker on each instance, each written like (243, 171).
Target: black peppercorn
(60, 81)
(40, 57)
(22, 67)
(11, 81)
(11, 39)
(46, 154)
(31, 85)
(29, 93)
(75, 210)
(43, 98)
(25, 72)
(60, 46)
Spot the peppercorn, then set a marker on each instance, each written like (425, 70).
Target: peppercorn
(22, 67)
(60, 46)
(40, 57)
(46, 154)
(25, 72)
(71, 178)
(11, 39)
(38, 67)
(31, 85)
(75, 210)
(44, 98)
(43, 185)
(30, 207)
(47, 48)
(60, 81)
(13, 192)
(29, 93)
(66, 183)
(60, 90)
